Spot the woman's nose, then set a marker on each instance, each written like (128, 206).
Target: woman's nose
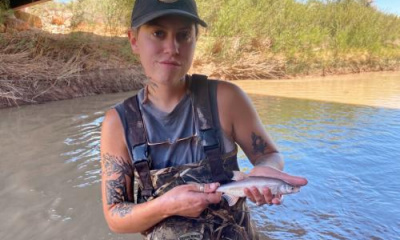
(171, 46)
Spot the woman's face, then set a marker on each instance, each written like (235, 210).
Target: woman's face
(165, 47)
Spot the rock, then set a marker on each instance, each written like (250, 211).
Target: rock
(32, 20)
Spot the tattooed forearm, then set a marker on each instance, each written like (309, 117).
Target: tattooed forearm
(259, 145)
(122, 209)
(116, 191)
(119, 177)
(116, 165)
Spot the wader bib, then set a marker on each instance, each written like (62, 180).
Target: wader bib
(218, 221)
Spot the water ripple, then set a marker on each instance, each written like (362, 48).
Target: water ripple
(349, 155)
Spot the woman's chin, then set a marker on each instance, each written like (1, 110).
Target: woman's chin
(167, 78)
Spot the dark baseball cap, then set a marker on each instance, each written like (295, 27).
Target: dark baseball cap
(147, 10)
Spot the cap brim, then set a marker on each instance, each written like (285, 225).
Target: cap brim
(154, 15)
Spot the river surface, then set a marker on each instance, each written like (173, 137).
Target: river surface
(342, 133)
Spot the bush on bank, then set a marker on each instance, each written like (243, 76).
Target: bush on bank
(290, 37)
(4, 10)
(246, 39)
(297, 37)
(340, 35)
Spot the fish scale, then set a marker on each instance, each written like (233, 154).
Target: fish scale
(234, 190)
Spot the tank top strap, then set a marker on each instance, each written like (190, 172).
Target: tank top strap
(135, 133)
(204, 120)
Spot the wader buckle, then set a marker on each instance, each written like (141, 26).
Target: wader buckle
(209, 139)
(140, 153)
(142, 166)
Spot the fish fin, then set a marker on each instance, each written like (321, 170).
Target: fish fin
(238, 175)
(230, 199)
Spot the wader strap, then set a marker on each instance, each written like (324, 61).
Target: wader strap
(204, 121)
(137, 137)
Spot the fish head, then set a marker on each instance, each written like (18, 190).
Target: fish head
(287, 189)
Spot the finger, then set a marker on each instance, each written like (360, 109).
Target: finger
(278, 199)
(260, 200)
(295, 180)
(249, 195)
(275, 173)
(213, 198)
(211, 187)
(267, 195)
(194, 187)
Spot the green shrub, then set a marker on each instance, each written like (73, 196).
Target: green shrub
(296, 26)
(4, 10)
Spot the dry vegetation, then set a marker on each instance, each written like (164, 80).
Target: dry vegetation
(38, 64)
(288, 38)
(38, 67)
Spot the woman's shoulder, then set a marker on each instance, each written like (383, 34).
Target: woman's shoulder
(111, 117)
(116, 114)
(228, 93)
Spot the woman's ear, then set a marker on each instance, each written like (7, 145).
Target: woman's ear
(132, 35)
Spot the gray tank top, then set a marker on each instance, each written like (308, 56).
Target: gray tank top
(173, 137)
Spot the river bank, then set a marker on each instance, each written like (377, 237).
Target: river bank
(38, 67)
(56, 51)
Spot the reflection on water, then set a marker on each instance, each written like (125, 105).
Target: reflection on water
(373, 89)
(349, 155)
(50, 170)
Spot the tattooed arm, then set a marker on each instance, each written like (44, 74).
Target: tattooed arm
(117, 182)
(122, 215)
(240, 121)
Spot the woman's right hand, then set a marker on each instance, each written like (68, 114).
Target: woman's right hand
(190, 200)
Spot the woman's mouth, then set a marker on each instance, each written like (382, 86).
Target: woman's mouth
(170, 63)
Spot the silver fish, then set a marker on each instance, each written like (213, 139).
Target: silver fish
(233, 190)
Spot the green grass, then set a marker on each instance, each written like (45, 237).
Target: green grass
(304, 33)
(4, 10)
(307, 36)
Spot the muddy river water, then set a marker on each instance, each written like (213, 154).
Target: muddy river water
(342, 133)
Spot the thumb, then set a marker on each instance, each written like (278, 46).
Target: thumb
(295, 180)
(203, 187)
(211, 187)
(275, 173)
(291, 179)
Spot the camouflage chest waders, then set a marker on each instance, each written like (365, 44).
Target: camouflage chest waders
(218, 221)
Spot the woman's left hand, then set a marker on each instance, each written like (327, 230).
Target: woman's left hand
(265, 196)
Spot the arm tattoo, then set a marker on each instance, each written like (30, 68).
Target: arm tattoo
(258, 143)
(116, 189)
(122, 209)
(115, 165)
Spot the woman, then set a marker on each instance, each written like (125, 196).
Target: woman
(180, 131)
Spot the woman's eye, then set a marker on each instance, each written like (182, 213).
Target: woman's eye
(185, 36)
(158, 34)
